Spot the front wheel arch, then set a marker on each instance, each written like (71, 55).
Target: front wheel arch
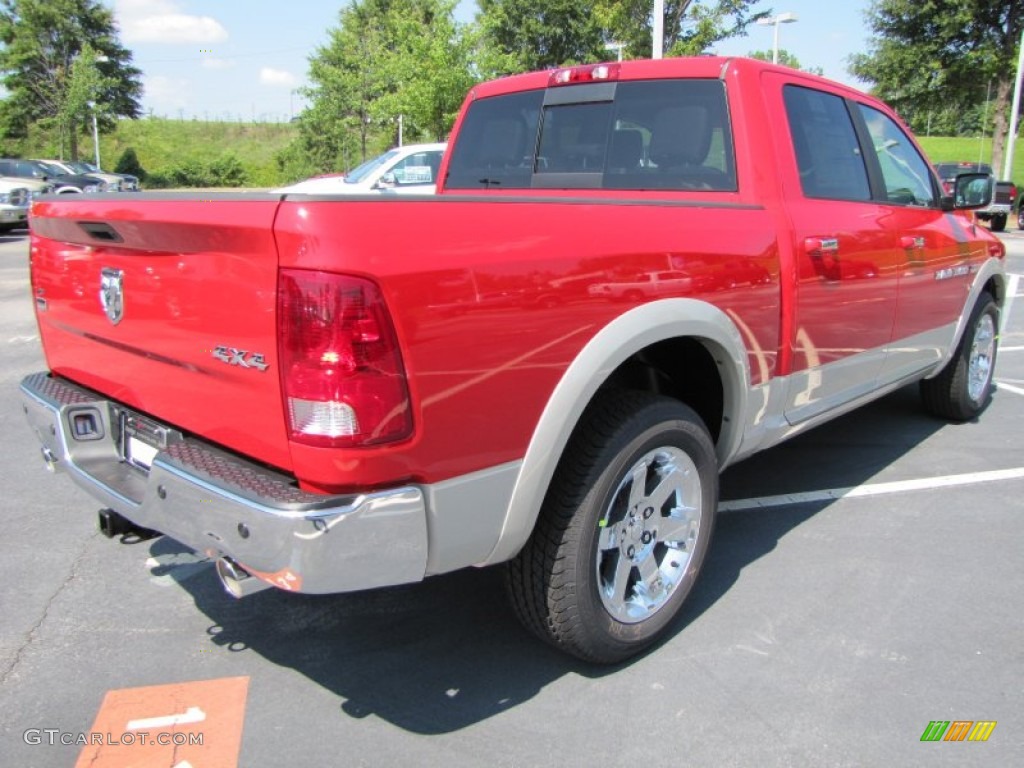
(963, 388)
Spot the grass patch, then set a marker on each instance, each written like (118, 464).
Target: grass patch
(164, 145)
(944, 149)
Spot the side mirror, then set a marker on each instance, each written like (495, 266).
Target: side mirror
(970, 192)
(386, 181)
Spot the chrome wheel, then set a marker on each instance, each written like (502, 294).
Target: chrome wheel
(624, 531)
(648, 534)
(961, 390)
(979, 364)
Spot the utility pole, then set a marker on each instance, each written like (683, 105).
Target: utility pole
(1008, 162)
(658, 33)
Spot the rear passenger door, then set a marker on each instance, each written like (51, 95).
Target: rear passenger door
(846, 257)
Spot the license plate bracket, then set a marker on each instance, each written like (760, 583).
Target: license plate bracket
(142, 439)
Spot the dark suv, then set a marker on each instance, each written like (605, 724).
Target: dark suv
(62, 182)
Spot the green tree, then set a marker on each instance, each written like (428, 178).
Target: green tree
(384, 59)
(786, 59)
(430, 69)
(525, 35)
(129, 163)
(691, 28)
(57, 56)
(347, 79)
(84, 84)
(944, 52)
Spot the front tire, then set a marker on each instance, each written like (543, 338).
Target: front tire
(963, 388)
(624, 529)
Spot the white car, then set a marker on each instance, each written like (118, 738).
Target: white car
(14, 200)
(411, 169)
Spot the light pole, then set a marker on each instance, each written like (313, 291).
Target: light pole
(95, 135)
(1014, 110)
(95, 125)
(658, 30)
(782, 18)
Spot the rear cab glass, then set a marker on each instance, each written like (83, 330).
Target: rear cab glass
(629, 135)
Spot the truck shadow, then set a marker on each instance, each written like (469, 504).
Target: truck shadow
(439, 656)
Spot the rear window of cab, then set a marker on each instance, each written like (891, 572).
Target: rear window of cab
(635, 135)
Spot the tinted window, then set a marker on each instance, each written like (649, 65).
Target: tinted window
(574, 138)
(828, 154)
(495, 144)
(664, 134)
(908, 179)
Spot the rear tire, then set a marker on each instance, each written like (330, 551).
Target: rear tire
(963, 388)
(624, 529)
(998, 223)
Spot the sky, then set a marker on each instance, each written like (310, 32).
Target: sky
(244, 59)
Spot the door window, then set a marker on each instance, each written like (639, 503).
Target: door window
(908, 179)
(828, 155)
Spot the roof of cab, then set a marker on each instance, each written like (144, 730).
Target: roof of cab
(635, 69)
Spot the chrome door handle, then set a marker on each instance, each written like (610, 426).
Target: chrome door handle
(819, 246)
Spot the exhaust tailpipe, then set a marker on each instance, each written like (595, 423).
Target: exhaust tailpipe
(237, 581)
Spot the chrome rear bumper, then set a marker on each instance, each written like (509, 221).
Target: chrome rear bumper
(223, 505)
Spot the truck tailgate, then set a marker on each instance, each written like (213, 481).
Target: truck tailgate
(169, 306)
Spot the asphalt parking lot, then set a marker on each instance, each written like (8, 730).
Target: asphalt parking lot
(829, 629)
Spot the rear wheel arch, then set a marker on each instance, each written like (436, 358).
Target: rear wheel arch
(670, 348)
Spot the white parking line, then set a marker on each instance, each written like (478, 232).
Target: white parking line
(1009, 388)
(1011, 294)
(872, 489)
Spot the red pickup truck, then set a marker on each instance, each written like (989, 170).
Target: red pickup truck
(337, 393)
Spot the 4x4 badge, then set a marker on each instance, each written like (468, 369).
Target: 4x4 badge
(241, 357)
(112, 293)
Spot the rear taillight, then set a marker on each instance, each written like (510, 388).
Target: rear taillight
(341, 368)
